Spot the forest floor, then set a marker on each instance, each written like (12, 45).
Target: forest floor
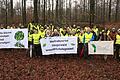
(16, 65)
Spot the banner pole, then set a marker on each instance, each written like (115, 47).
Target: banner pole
(30, 51)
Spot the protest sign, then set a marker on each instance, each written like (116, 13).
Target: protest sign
(14, 38)
(59, 45)
(101, 47)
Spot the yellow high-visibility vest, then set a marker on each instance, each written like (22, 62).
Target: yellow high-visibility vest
(64, 35)
(88, 37)
(42, 34)
(30, 37)
(81, 38)
(117, 39)
(96, 31)
(36, 38)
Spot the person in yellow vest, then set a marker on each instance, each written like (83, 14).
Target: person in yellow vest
(117, 45)
(30, 45)
(88, 36)
(73, 33)
(61, 30)
(8, 27)
(42, 32)
(95, 29)
(74, 28)
(30, 37)
(36, 43)
(30, 26)
(80, 44)
(64, 32)
(55, 33)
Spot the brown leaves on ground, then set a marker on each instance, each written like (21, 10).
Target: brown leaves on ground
(15, 65)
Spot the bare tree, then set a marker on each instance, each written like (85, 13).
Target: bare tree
(24, 11)
(56, 18)
(109, 18)
(6, 21)
(92, 11)
(12, 14)
(117, 8)
(35, 11)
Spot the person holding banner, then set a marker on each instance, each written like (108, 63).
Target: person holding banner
(104, 37)
(112, 36)
(88, 36)
(30, 42)
(36, 43)
(117, 45)
(80, 44)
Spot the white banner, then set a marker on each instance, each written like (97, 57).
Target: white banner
(101, 47)
(59, 45)
(14, 38)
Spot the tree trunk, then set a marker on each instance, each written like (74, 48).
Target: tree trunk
(92, 11)
(109, 18)
(12, 14)
(56, 18)
(24, 11)
(84, 10)
(39, 9)
(53, 11)
(103, 12)
(117, 8)
(44, 11)
(6, 21)
(70, 10)
(49, 12)
(35, 11)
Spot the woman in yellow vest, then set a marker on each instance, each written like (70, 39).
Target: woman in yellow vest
(36, 43)
(117, 45)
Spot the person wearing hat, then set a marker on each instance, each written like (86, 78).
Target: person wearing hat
(117, 45)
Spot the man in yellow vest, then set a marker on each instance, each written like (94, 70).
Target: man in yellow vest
(88, 36)
(36, 43)
(117, 45)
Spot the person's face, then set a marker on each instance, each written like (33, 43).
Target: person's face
(113, 30)
(42, 30)
(119, 32)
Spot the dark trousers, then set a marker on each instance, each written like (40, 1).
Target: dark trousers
(29, 43)
(85, 51)
(117, 47)
(37, 50)
(80, 47)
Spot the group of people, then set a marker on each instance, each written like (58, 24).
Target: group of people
(84, 35)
